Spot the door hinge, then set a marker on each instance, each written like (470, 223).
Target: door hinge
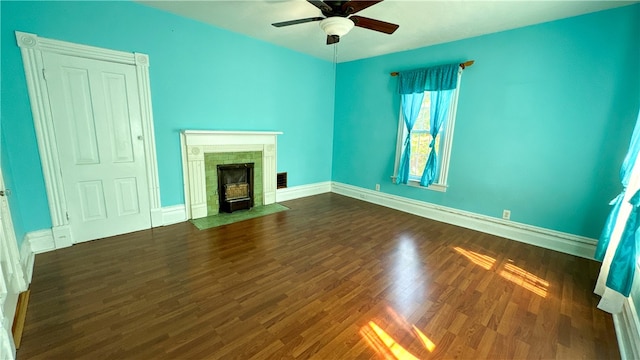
(67, 216)
(44, 74)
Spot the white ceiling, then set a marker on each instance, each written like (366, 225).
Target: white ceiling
(422, 23)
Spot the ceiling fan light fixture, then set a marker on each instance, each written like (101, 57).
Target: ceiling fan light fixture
(336, 25)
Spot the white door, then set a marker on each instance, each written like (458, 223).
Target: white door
(98, 129)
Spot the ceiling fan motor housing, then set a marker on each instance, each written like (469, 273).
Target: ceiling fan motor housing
(336, 25)
(340, 19)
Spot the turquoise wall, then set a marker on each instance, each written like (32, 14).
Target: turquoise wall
(544, 120)
(202, 77)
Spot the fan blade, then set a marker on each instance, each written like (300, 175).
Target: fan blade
(299, 21)
(320, 5)
(332, 39)
(373, 24)
(352, 7)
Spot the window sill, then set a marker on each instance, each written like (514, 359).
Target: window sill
(416, 184)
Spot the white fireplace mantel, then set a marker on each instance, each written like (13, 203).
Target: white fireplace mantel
(196, 143)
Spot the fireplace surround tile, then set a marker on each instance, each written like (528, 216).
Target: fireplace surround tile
(212, 160)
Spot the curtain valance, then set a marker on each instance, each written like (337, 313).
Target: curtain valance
(436, 78)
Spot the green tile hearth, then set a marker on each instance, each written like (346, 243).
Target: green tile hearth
(226, 218)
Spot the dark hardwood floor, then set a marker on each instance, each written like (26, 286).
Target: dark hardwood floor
(332, 278)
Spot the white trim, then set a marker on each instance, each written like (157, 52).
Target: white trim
(9, 306)
(212, 135)
(549, 239)
(174, 214)
(301, 191)
(185, 176)
(40, 241)
(33, 41)
(62, 236)
(7, 345)
(627, 325)
(27, 259)
(14, 274)
(441, 184)
(32, 47)
(146, 113)
(157, 217)
(416, 184)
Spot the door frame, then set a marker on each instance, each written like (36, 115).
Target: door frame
(12, 282)
(18, 281)
(32, 47)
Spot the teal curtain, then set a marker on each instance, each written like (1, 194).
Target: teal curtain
(621, 270)
(625, 175)
(411, 104)
(411, 85)
(623, 265)
(441, 77)
(440, 104)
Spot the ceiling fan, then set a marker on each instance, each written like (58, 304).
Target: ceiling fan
(338, 19)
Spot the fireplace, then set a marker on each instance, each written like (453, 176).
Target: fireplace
(200, 144)
(235, 187)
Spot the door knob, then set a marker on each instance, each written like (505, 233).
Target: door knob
(6, 192)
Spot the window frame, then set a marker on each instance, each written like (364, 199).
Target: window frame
(442, 182)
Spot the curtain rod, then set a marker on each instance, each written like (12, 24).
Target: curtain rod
(462, 65)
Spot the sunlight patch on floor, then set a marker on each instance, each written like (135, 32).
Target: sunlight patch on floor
(482, 260)
(384, 343)
(525, 279)
(389, 347)
(426, 342)
(510, 272)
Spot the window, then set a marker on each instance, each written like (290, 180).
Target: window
(421, 138)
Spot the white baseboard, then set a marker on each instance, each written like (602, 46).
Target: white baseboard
(627, 328)
(27, 259)
(62, 237)
(549, 239)
(40, 241)
(301, 191)
(627, 324)
(157, 218)
(174, 214)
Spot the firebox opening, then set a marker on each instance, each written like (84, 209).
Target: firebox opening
(235, 187)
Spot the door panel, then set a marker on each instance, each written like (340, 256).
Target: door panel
(98, 128)
(117, 115)
(127, 196)
(77, 96)
(91, 194)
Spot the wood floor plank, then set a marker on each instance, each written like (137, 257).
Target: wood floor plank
(332, 278)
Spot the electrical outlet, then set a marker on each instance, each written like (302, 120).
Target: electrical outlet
(506, 214)
(377, 187)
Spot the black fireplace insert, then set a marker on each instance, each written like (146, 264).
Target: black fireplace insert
(235, 187)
